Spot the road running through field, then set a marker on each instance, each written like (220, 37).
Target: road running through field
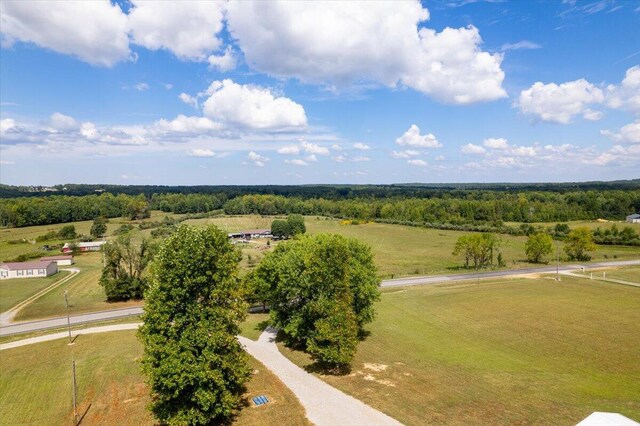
(26, 327)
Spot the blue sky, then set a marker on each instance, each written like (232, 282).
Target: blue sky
(319, 92)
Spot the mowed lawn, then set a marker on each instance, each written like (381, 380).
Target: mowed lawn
(631, 273)
(84, 292)
(16, 290)
(35, 385)
(521, 351)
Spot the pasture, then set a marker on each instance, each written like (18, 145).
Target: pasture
(85, 294)
(519, 351)
(14, 291)
(35, 385)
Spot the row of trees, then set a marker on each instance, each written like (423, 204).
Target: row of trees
(435, 208)
(479, 249)
(321, 291)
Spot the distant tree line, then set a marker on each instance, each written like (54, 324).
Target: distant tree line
(470, 210)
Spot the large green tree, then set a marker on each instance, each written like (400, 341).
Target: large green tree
(477, 248)
(124, 273)
(321, 291)
(579, 243)
(194, 364)
(280, 228)
(296, 224)
(538, 246)
(99, 227)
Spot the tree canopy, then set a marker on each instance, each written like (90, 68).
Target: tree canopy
(195, 366)
(321, 291)
(579, 243)
(99, 227)
(479, 248)
(125, 262)
(538, 246)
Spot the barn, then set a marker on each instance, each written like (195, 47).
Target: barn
(633, 218)
(61, 260)
(35, 269)
(84, 246)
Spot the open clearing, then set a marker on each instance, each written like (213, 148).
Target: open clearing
(626, 274)
(16, 290)
(84, 293)
(35, 385)
(520, 351)
(398, 251)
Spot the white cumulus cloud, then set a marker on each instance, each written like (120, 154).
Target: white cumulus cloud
(473, 149)
(296, 162)
(313, 148)
(629, 133)
(257, 159)
(225, 62)
(496, 143)
(93, 31)
(560, 103)
(188, 29)
(413, 138)
(361, 146)
(199, 152)
(417, 162)
(289, 150)
(340, 43)
(252, 107)
(405, 154)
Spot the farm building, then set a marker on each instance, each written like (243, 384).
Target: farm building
(38, 268)
(88, 246)
(61, 260)
(633, 218)
(250, 233)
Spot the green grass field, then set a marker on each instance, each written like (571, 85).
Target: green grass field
(398, 251)
(253, 325)
(521, 351)
(631, 273)
(591, 224)
(14, 291)
(35, 385)
(30, 233)
(84, 293)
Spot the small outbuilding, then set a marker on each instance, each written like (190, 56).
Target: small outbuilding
(35, 269)
(250, 233)
(633, 218)
(61, 260)
(84, 246)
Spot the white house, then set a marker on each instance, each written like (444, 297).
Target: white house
(84, 246)
(35, 269)
(633, 218)
(61, 260)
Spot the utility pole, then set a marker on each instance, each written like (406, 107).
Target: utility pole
(75, 393)
(66, 302)
(557, 261)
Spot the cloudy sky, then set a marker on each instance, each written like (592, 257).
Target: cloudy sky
(204, 92)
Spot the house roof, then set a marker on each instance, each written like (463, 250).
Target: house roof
(633, 216)
(18, 266)
(86, 244)
(610, 419)
(256, 231)
(59, 257)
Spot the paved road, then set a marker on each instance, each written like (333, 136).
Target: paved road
(324, 404)
(26, 327)
(435, 279)
(65, 335)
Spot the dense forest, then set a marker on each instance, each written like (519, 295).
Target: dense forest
(477, 209)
